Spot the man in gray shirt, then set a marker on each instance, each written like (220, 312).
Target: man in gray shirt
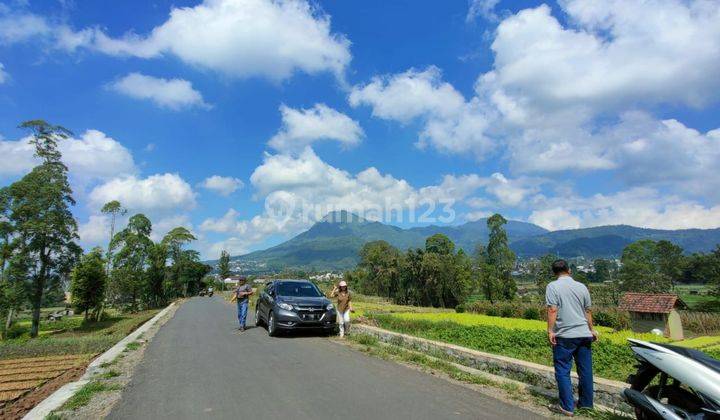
(571, 333)
(241, 295)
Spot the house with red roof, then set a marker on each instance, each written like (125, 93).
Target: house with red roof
(649, 311)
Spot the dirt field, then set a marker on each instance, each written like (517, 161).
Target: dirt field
(26, 381)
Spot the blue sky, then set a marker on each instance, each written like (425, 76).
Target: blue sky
(211, 114)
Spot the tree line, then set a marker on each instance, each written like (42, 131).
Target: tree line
(40, 258)
(440, 276)
(437, 275)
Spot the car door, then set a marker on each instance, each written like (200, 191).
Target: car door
(266, 300)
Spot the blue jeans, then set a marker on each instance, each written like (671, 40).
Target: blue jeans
(242, 306)
(564, 352)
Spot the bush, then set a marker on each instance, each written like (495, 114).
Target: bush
(531, 313)
(507, 311)
(701, 322)
(17, 331)
(460, 309)
(612, 318)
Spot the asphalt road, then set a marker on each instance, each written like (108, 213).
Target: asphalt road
(199, 366)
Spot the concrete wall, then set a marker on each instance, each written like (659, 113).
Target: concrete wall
(607, 392)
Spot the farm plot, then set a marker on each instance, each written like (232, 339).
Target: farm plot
(21, 376)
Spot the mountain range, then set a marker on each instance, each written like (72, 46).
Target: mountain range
(333, 243)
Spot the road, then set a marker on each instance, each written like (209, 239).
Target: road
(199, 366)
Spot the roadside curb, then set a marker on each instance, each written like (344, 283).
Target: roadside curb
(59, 397)
(607, 392)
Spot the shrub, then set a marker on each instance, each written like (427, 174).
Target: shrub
(460, 309)
(17, 331)
(612, 318)
(701, 322)
(531, 313)
(507, 311)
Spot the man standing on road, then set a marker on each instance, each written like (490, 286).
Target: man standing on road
(242, 294)
(571, 333)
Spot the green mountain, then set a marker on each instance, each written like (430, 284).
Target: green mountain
(334, 242)
(609, 241)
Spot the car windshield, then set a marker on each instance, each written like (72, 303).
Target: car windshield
(297, 289)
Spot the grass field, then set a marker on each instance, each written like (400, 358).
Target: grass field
(72, 335)
(694, 295)
(519, 338)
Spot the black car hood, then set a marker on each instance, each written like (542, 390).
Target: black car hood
(304, 300)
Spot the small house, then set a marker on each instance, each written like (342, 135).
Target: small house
(649, 311)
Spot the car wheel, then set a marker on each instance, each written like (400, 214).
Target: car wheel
(258, 321)
(271, 326)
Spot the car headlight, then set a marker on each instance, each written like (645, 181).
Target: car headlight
(283, 305)
(330, 307)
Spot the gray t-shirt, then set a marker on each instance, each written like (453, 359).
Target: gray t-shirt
(572, 299)
(242, 289)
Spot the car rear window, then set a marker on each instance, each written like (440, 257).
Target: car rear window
(297, 289)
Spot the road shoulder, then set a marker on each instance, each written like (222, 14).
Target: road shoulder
(104, 389)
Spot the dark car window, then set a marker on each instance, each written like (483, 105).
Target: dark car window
(297, 289)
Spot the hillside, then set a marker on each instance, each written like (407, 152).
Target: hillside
(334, 242)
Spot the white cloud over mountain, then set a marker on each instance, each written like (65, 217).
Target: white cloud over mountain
(174, 94)
(302, 127)
(644, 207)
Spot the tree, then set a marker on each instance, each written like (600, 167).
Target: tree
(541, 271)
(224, 267)
(128, 275)
(640, 270)
(192, 271)
(487, 278)
(88, 283)
(603, 270)
(500, 257)
(174, 241)
(113, 208)
(380, 260)
(39, 209)
(439, 244)
(670, 261)
(155, 275)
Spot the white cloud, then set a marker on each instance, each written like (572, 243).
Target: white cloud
(451, 124)
(241, 38)
(17, 157)
(161, 193)
(643, 207)
(615, 54)
(92, 156)
(508, 192)
(223, 185)
(302, 127)
(482, 8)
(173, 94)
(3, 74)
(19, 27)
(564, 95)
(412, 94)
(95, 231)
